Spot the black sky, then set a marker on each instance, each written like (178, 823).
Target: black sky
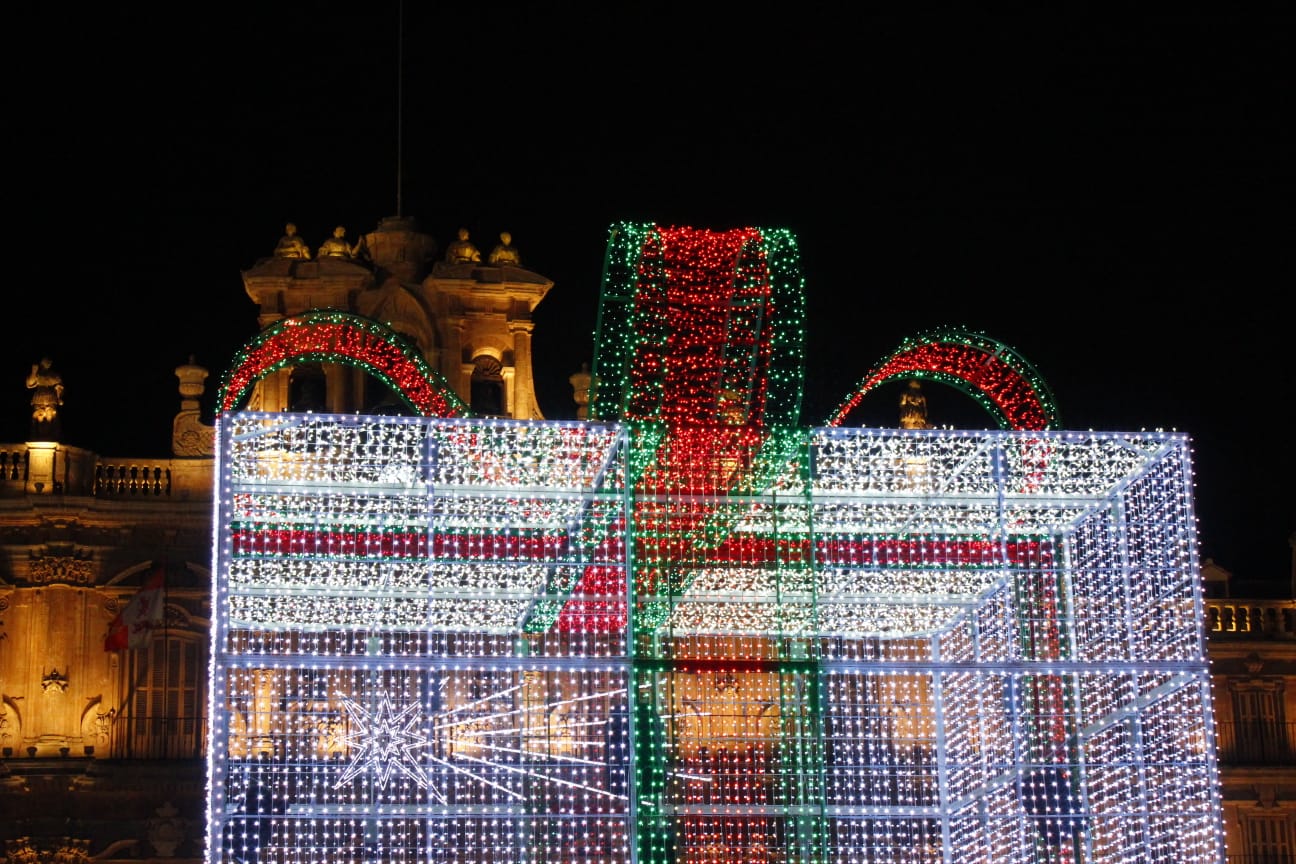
(1109, 197)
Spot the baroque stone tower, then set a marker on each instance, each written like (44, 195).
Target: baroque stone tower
(470, 319)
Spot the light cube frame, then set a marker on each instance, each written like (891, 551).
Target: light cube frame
(913, 645)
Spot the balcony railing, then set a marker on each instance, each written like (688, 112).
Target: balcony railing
(1251, 619)
(182, 737)
(132, 479)
(58, 469)
(1256, 743)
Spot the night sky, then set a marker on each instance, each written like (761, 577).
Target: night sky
(1111, 201)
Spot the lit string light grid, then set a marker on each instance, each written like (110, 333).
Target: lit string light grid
(911, 645)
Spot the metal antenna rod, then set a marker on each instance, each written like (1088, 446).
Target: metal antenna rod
(400, 99)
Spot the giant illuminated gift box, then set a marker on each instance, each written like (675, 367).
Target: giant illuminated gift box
(690, 631)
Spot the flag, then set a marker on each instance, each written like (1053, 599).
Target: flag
(145, 613)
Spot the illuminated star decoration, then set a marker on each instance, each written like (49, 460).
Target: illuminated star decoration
(385, 741)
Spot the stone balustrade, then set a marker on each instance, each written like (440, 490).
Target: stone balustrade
(57, 469)
(1250, 619)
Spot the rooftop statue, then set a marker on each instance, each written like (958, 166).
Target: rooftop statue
(291, 245)
(505, 252)
(47, 395)
(462, 250)
(337, 246)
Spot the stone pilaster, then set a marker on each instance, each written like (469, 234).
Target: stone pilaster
(524, 398)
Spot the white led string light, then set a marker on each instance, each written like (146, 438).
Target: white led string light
(917, 645)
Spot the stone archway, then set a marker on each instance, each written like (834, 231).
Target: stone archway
(488, 398)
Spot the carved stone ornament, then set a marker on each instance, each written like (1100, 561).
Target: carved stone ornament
(70, 850)
(1266, 795)
(190, 437)
(66, 850)
(167, 831)
(21, 850)
(62, 569)
(54, 682)
(103, 723)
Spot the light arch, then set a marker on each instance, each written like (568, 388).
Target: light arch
(999, 378)
(332, 336)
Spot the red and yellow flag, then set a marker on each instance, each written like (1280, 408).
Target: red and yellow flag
(146, 612)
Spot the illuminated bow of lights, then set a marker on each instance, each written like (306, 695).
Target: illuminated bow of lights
(1002, 381)
(332, 336)
(689, 631)
(700, 345)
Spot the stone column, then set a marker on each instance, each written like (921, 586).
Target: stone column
(524, 399)
(451, 366)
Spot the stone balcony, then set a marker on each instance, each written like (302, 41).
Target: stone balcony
(58, 469)
(1250, 619)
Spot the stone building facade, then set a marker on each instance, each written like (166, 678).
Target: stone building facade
(102, 753)
(1252, 644)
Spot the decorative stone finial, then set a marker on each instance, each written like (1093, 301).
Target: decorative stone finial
(580, 382)
(913, 407)
(189, 436)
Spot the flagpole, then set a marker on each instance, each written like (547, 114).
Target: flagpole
(166, 673)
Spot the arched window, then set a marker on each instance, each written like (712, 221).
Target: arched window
(380, 398)
(487, 386)
(307, 388)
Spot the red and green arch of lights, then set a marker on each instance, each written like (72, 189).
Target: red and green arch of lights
(997, 377)
(331, 336)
